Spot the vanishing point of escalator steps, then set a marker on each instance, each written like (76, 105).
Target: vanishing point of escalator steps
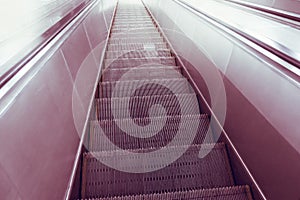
(186, 173)
(224, 193)
(110, 129)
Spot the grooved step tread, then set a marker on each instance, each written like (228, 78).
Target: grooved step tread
(141, 73)
(137, 46)
(138, 106)
(167, 86)
(138, 62)
(133, 29)
(131, 34)
(173, 124)
(117, 23)
(140, 39)
(187, 172)
(138, 54)
(223, 193)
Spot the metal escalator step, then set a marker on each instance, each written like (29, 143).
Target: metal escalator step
(132, 18)
(222, 193)
(138, 73)
(144, 88)
(138, 62)
(132, 34)
(121, 138)
(134, 29)
(136, 46)
(117, 23)
(147, 23)
(133, 15)
(140, 39)
(138, 106)
(187, 172)
(138, 54)
(125, 21)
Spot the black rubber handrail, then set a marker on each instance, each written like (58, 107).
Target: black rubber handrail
(17, 62)
(269, 10)
(270, 45)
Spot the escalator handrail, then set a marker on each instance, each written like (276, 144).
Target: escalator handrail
(286, 58)
(269, 10)
(17, 64)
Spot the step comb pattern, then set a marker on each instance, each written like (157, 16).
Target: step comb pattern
(225, 193)
(139, 106)
(111, 130)
(138, 62)
(151, 72)
(188, 172)
(145, 87)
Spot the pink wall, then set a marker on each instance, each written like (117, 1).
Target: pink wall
(38, 136)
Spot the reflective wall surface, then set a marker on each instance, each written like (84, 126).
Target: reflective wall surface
(262, 102)
(285, 5)
(43, 114)
(23, 22)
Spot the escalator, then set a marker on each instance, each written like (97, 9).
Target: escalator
(140, 76)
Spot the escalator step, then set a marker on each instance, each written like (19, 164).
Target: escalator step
(138, 54)
(127, 25)
(140, 73)
(125, 30)
(140, 19)
(141, 39)
(138, 62)
(131, 34)
(187, 172)
(140, 88)
(138, 106)
(135, 22)
(136, 46)
(173, 124)
(223, 193)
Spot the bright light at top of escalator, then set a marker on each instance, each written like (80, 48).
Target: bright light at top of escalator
(23, 21)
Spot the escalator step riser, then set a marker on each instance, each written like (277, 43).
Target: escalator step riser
(154, 87)
(188, 172)
(138, 62)
(135, 30)
(131, 34)
(162, 138)
(135, 46)
(140, 17)
(138, 54)
(118, 23)
(150, 27)
(139, 106)
(125, 41)
(155, 72)
(225, 193)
